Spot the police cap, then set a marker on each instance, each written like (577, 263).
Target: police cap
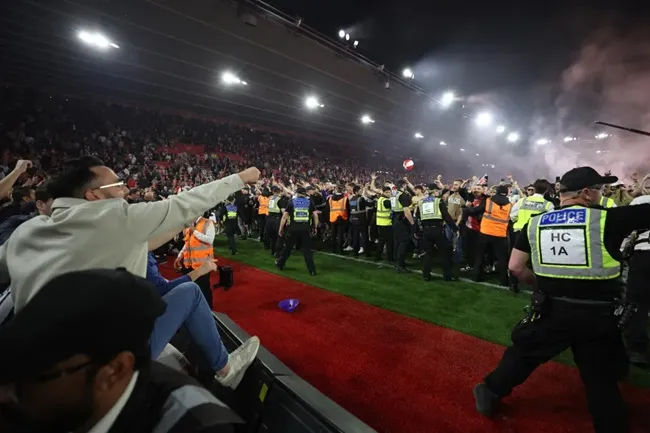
(583, 177)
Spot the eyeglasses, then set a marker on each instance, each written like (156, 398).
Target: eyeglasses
(111, 185)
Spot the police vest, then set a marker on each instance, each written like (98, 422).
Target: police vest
(430, 209)
(529, 207)
(395, 205)
(606, 202)
(274, 209)
(568, 243)
(357, 215)
(383, 214)
(231, 212)
(301, 210)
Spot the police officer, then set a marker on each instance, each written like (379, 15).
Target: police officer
(432, 214)
(522, 211)
(300, 212)
(574, 251)
(230, 223)
(403, 224)
(384, 225)
(277, 203)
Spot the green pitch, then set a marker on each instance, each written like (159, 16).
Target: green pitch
(485, 312)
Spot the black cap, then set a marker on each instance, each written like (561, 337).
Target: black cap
(301, 190)
(433, 187)
(501, 189)
(583, 177)
(98, 313)
(276, 188)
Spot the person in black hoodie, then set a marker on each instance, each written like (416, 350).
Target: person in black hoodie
(22, 203)
(495, 212)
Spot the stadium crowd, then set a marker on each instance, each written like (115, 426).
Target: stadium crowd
(168, 164)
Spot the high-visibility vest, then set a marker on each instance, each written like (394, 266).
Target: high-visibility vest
(273, 208)
(606, 202)
(196, 252)
(263, 208)
(383, 214)
(395, 205)
(495, 219)
(569, 243)
(338, 209)
(528, 208)
(231, 212)
(430, 209)
(301, 210)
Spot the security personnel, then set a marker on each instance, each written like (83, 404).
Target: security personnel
(403, 224)
(384, 225)
(230, 223)
(432, 214)
(276, 206)
(339, 211)
(262, 211)
(303, 218)
(522, 212)
(358, 222)
(574, 251)
(493, 232)
(198, 249)
(606, 202)
(636, 334)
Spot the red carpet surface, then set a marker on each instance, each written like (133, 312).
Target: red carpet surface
(399, 374)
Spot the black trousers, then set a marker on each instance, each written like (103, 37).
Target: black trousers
(434, 236)
(339, 228)
(385, 236)
(204, 284)
(302, 234)
(598, 351)
(401, 239)
(636, 333)
(230, 227)
(500, 248)
(261, 223)
(272, 225)
(359, 234)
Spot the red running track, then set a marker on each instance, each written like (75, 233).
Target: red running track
(400, 374)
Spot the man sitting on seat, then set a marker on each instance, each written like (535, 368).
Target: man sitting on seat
(85, 365)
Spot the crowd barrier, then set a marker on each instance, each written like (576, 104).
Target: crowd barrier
(271, 398)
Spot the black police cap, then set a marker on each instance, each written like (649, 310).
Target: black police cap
(583, 177)
(96, 312)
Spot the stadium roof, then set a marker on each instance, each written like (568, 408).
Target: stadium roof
(173, 53)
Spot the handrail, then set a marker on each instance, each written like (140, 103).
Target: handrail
(328, 42)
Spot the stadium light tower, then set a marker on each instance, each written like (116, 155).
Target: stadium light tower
(408, 73)
(355, 44)
(447, 99)
(312, 103)
(602, 136)
(366, 119)
(230, 79)
(418, 135)
(347, 36)
(501, 129)
(542, 141)
(442, 143)
(341, 33)
(483, 119)
(96, 40)
(567, 139)
(513, 137)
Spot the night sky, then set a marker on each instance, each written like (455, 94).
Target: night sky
(508, 46)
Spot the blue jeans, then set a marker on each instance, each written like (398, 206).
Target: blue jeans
(449, 234)
(186, 305)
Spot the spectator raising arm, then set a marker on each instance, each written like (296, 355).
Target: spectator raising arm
(8, 182)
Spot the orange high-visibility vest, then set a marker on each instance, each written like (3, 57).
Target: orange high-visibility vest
(495, 219)
(196, 252)
(264, 205)
(338, 208)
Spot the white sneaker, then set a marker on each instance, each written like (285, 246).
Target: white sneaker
(360, 250)
(239, 360)
(348, 249)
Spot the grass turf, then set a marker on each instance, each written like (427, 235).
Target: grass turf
(481, 311)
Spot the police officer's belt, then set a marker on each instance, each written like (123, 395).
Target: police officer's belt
(582, 301)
